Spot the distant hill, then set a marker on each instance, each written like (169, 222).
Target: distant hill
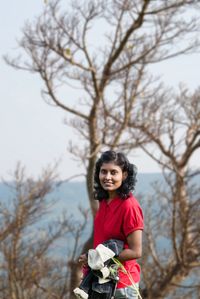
(69, 195)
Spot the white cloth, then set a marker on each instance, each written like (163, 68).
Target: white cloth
(105, 273)
(79, 293)
(97, 257)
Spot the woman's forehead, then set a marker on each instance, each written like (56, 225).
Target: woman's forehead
(110, 165)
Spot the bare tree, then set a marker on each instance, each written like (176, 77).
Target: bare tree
(103, 50)
(172, 250)
(109, 74)
(30, 265)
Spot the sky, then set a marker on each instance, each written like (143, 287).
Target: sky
(33, 132)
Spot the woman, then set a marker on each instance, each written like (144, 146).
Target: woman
(119, 217)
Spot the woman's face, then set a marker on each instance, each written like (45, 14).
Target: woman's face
(111, 177)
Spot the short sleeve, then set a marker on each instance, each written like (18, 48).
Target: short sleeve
(133, 218)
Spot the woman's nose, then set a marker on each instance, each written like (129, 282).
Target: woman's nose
(108, 176)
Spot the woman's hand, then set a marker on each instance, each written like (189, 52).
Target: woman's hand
(83, 259)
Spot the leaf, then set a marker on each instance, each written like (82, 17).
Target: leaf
(67, 52)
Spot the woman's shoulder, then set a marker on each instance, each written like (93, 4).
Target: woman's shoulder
(131, 201)
(132, 208)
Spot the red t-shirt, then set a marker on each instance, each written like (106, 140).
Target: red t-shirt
(117, 220)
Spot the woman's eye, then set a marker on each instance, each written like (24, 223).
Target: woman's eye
(103, 171)
(114, 172)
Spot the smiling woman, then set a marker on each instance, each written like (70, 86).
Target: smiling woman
(111, 178)
(114, 171)
(119, 219)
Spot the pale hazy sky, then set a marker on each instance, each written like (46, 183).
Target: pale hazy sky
(33, 132)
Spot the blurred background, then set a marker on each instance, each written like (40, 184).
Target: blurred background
(77, 78)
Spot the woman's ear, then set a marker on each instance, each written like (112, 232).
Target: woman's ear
(124, 175)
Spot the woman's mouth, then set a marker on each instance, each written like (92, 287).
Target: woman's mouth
(108, 183)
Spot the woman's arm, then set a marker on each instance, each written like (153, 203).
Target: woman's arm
(134, 251)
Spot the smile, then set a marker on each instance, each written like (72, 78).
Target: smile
(108, 183)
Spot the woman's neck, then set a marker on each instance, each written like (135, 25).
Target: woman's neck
(112, 195)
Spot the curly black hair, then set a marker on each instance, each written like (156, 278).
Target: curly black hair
(120, 160)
